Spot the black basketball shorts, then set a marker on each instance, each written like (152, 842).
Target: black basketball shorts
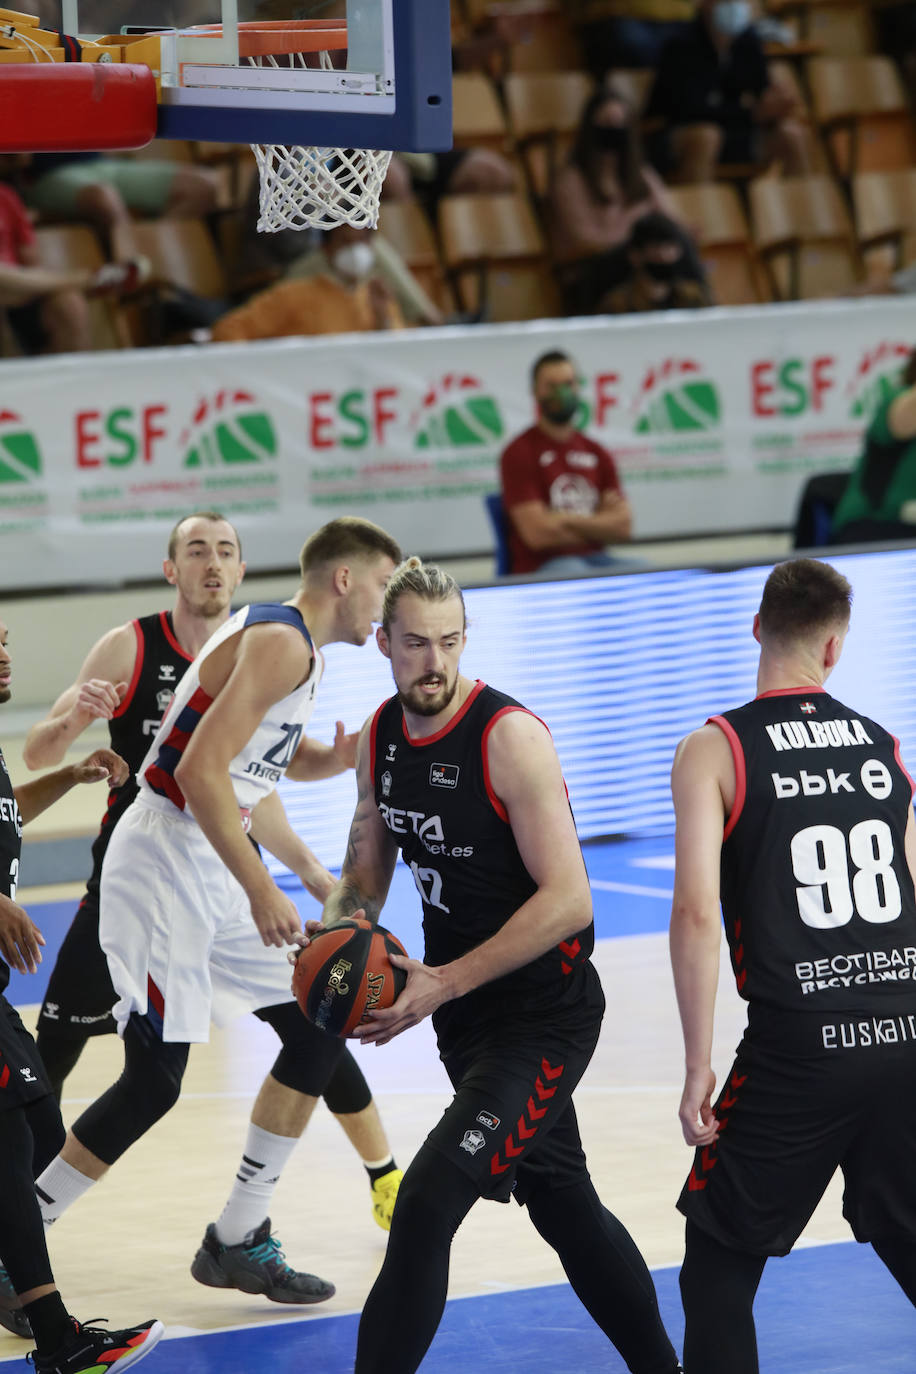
(22, 1074)
(511, 1125)
(806, 1095)
(80, 996)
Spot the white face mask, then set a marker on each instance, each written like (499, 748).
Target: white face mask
(731, 17)
(354, 260)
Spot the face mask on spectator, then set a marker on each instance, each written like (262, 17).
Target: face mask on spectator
(731, 17)
(354, 260)
(612, 137)
(560, 405)
(663, 271)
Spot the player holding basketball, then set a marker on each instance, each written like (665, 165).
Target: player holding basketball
(128, 679)
(796, 811)
(467, 784)
(30, 1125)
(207, 939)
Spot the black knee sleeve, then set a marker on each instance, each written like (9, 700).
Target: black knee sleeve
(718, 1287)
(23, 1251)
(348, 1092)
(148, 1088)
(309, 1057)
(59, 1054)
(48, 1132)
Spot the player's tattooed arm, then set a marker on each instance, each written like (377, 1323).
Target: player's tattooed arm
(371, 851)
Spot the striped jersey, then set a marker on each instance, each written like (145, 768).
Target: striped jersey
(258, 767)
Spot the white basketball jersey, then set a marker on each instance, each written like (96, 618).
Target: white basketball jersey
(258, 767)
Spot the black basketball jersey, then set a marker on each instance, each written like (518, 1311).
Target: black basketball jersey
(10, 848)
(435, 797)
(159, 666)
(817, 897)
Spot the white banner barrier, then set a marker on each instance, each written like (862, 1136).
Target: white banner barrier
(716, 419)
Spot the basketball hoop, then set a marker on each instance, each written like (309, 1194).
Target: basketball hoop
(308, 187)
(318, 188)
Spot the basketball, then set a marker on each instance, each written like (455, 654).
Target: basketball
(345, 973)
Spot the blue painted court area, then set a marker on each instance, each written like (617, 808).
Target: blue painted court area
(851, 1318)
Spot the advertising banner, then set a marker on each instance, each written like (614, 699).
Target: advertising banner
(716, 420)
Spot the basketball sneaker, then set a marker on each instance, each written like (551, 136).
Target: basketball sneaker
(256, 1265)
(12, 1317)
(384, 1196)
(92, 1350)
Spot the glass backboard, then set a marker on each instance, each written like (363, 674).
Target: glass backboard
(344, 73)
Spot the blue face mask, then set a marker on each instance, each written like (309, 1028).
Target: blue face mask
(731, 17)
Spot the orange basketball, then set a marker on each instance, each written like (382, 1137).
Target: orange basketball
(345, 973)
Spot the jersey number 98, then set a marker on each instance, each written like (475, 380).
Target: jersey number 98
(821, 867)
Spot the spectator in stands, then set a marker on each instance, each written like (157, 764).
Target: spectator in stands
(629, 33)
(879, 502)
(662, 273)
(714, 91)
(560, 489)
(106, 190)
(597, 197)
(346, 294)
(47, 308)
(296, 253)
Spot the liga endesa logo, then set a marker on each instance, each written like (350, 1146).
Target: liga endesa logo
(230, 427)
(876, 376)
(456, 412)
(675, 398)
(20, 456)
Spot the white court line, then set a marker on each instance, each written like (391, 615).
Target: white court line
(631, 889)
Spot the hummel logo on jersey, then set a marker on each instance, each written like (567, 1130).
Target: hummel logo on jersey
(808, 707)
(166, 672)
(392, 750)
(443, 774)
(817, 734)
(28, 1075)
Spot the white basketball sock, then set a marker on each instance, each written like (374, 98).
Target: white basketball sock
(58, 1187)
(259, 1172)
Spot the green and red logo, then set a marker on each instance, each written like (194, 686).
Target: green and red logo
(876, 378)
(457, 413)
(20, 456)
(228, 428)
(675, 398)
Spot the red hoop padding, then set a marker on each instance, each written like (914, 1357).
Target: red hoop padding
(62, 106)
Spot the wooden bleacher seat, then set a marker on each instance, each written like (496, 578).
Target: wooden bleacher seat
(804, 235)
(497, 257)
(861, 108)
(715, 214)
(884, 205)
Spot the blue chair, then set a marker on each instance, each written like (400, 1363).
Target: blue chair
(500, 522)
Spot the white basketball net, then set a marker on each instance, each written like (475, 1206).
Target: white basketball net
(304, 188)
(317, 188)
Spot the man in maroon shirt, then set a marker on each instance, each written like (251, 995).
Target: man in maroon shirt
(561, 491)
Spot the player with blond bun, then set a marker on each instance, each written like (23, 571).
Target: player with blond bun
(515, 1001)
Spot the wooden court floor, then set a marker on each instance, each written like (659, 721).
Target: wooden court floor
(123, 1251)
